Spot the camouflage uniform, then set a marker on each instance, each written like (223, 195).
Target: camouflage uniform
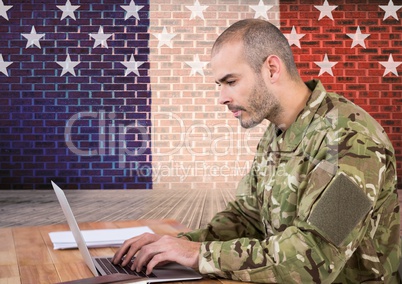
(319, 204)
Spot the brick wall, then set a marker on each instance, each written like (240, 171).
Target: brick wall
(163, 127)
(358, 73)
(79, 126)
(196, 142)
(183, 145)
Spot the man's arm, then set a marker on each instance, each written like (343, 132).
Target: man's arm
(309, 250)
(302, 252)
(241, 218)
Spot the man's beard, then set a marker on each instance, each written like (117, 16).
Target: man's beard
(262, 105)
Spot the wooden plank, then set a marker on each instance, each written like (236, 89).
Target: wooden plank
(34, 261)
(40, 207)
(9, 274)
(7, 249)
(30, 247)
(40, 273)
(69, 271)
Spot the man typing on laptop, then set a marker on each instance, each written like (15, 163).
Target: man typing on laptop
(103, 265)
(319, 203)
(155, 249)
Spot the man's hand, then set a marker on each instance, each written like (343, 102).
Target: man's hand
(154, 249)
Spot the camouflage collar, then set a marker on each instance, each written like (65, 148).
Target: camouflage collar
(291, 138)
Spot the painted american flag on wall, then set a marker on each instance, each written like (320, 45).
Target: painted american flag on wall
(118, 94)
(75, 93)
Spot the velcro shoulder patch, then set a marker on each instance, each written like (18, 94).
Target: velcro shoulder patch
(341, 207)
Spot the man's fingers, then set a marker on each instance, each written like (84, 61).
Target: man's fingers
(131, 246)
(167, 249)
(118, 256)
(130, 254)
(151, 250)
(144, 256)
(161, 258)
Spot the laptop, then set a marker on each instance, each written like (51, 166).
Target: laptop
(101, 266)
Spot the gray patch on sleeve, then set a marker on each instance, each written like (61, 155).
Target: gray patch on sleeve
(341, 207)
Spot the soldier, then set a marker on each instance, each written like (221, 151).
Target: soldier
(319, 204)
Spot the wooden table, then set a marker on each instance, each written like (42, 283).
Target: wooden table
(27, 254)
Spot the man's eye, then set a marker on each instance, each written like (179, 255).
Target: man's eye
(230, 83)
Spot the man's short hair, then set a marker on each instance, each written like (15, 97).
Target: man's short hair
(261, 39)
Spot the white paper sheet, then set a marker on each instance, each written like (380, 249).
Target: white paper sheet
(97, 238)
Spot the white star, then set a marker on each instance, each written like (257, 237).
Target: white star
(294, 37)
(326, 10)
(4, 9)
(33, 38)
(68, 10)
(196, 66)
(4, 65)
(197, 10)
(390, 65)
(132, 66)
(390, 10)
(165, 38)
(261, 10)
(100, 38)
(132, 10)
(358, 38)
(326, 66)
(68, 65)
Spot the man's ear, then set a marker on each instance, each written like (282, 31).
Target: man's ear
(273, 68)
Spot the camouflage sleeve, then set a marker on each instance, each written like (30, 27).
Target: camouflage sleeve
(308, 251)
(241, 218)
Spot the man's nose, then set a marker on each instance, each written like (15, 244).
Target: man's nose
(224, 97)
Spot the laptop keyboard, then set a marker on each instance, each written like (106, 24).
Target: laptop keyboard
(110, 268)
